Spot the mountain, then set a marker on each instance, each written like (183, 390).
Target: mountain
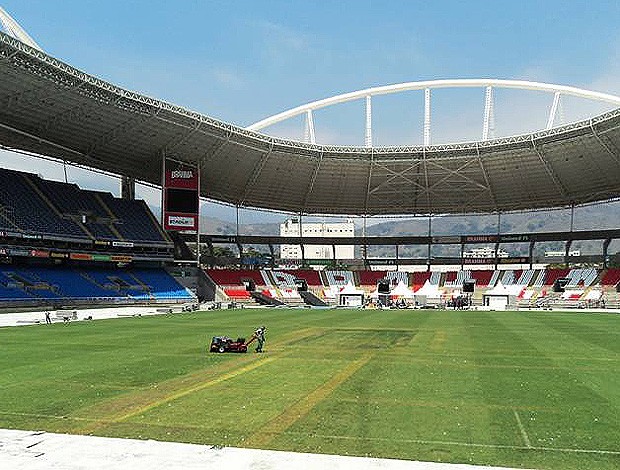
(602, 216)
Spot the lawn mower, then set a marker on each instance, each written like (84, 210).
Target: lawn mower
(222, 344)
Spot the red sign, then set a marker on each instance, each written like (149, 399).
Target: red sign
(81, 256)
(40, 253)
(181, 177)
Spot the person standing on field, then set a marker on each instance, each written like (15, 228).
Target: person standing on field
(260, 337)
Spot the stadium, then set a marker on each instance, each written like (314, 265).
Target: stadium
(461, 348)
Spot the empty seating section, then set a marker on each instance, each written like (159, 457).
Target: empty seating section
(237, 293)
(456, 278)
(611, 277)
(283, 279)
(70, 200)
(494, 278)
(554, 274)
(419, 278)
(234, 277)
(266, 279)
(134, 221)
(339, 278)
(530, 286)
(33, 205)
(581, 277)
(370, 278)
(396, 277)
(310, 276)
(508, 278)
(540, 279)
(435, 278)
(159, 283)
(25, 210)
(526, 277)
(62, 283)
(482, 277)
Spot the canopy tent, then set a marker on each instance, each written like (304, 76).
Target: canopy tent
(499, 297)
(401, 290)
(351, 296)
(429, 290)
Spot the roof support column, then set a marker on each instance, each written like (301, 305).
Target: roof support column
(197, 217)
(606, 244)
(566, 252)
(430, 241)
(309, 136)
(499, 230)
(554, 109)
(301, 244)
(488, 125)
(128, 187)
(368, 139)
(397, 263)
(163, 185)
(237, 220)
(427, 117)
(365, 245)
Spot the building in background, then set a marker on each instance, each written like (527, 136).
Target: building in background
(293, 228)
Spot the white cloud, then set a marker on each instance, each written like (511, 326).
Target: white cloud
(228, 77)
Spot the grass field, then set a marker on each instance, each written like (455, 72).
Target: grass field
(533, 390)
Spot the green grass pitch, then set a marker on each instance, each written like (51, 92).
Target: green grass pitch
(516, 389)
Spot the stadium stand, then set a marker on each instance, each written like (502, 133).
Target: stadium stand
(235, 277)
(23, 210)
(339, 278)
(280, 284)
(418, 279)
(370, 278)
(31, 205)
(396, 277)
(482, 277)
(553, 274)
(63, 284)
(611, 277)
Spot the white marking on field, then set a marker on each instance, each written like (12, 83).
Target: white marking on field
(466, 444)
(526, 439)
(41, 451)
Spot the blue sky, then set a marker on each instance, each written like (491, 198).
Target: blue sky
(241, 61)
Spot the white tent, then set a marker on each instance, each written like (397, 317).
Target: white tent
(500, 297)
(401, 290)
(499, 289)
(351, 296)
(429, 290)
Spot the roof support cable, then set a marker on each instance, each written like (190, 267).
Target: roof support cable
(549, 170)
(256, 172)
(312, 180)
(485, 175)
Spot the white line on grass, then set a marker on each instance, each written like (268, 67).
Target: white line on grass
(526, 439)
(464, 444)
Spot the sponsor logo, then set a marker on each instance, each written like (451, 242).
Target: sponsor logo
(123, 244)
(453, 239)
(182, 174)
(180, 221)
(481, 238)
